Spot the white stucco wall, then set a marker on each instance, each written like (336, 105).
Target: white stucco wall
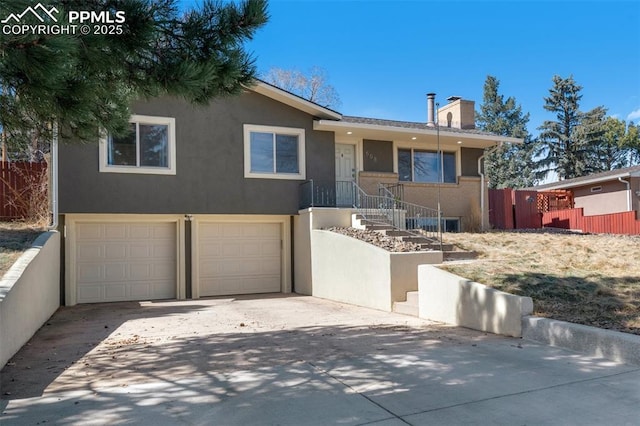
(352, 271)
(605, 203)
(29, 294)
(306, 221)
(449, 298)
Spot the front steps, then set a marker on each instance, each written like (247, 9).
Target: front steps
(376, 223)
(408, 307)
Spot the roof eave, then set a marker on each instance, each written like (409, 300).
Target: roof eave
(294, 101)
(563, 185)
(332, 125)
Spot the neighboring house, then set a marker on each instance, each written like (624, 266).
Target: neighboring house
(609, 192)
(203, 201)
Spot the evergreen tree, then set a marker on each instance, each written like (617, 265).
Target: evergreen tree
(86, 82)
(606, 136)
(631, 142)
(510, 166)
(566, 145)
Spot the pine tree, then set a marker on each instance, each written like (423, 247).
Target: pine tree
(510, 166)
(631, 142)
(87, 82)
(566, 144)
(606, 137)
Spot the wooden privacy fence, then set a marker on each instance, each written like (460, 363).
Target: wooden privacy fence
(516, 209)
(613, 223)
(511, 209)
(23, 190)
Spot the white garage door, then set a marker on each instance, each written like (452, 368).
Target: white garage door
(125, 261)
(239, 258)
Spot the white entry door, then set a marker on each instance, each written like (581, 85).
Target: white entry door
(345, 174)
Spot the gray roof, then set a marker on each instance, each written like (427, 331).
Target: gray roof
(409, 125)
(594, 178)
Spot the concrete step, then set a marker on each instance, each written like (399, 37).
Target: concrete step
(370, 217)
(412, 297)
(379, 227)
(372, 222)
(397, 233)
(436, 246)
(408, 307)
(405, 308)
(459, 255)
(418, 240)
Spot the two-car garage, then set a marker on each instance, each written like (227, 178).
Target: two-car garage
(139, 257)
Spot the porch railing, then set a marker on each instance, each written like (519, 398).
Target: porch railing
(387, 210)
(384, 209)
(319, 193)
(393, 190)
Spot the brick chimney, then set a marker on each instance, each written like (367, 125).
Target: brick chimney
(458, 114)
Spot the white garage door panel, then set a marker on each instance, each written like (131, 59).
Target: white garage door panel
(239, 258)
(125, 261)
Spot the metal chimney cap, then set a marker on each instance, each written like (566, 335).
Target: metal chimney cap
(454, 98)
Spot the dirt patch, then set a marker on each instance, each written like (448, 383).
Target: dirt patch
(585, 279)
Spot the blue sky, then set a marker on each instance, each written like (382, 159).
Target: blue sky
(384, 56)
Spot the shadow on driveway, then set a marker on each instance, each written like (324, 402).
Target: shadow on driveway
(273, 359)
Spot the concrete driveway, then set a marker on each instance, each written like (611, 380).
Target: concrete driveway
(301, 361)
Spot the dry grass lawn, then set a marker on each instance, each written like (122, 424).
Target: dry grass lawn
(15, 238)
(585, 279)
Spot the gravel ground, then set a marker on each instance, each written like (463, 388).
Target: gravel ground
(393, 244)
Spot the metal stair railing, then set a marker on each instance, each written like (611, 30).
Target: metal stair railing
(393, 190)
(385, 209)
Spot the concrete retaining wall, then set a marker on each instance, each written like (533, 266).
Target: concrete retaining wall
(306, 221)
(352, 271)
(613, 345)
(29, 294)
(455, 300)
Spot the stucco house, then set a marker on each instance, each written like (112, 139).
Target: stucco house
(206, 201)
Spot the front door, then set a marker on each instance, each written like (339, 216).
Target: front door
(345, 174)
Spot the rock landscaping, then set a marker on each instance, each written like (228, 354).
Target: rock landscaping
(393, 244)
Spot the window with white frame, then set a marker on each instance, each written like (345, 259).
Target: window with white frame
(148, 147)
(415, 165)
(273, 152)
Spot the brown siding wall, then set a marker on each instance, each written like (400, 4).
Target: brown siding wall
(469, 161)
(210, 164)
(378, 156)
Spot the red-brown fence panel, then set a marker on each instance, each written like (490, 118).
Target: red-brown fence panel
(526, 208)
(614, 223)
(501, 208)
(23, 190)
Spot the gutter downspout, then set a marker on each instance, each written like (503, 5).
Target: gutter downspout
(481, 173)
(54, 177)
(628, 193)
